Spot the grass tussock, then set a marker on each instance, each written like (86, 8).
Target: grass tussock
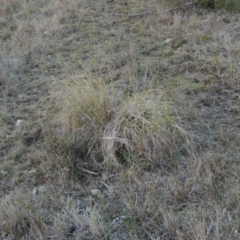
(140, 129)
(86, 107)
(20, 215)
(97, 118)
(28, 215)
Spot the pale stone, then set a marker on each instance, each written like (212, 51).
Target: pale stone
(97, 193)
(168, 40)
(19, 122)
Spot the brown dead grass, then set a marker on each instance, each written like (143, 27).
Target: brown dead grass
(130, 125)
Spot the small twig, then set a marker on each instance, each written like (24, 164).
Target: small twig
(90, 172)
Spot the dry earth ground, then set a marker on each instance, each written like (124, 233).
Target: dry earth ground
(131, 122)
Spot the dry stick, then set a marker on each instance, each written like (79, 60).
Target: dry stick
(153, 11)
(90, 172)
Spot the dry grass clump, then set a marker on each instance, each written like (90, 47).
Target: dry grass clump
(29, 33)
(188, 202)
(41, 214)
(76, 221)
(140, 129)
(86, 105)
(20, 214)
(10, 69)
(96, 118)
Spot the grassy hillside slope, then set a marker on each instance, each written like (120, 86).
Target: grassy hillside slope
(118, 120)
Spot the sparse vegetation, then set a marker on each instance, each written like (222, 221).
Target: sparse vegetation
(119, 120)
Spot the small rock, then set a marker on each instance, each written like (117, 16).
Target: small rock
(97, 193)
(9, 136)
(4, 172)
(168, 40)
(39, 189)
(19, 122)
(46, 32)
(31, 171)
(119, 220)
